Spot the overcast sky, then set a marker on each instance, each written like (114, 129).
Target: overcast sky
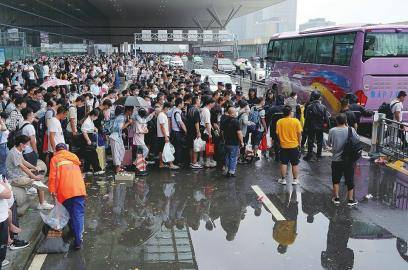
(353, 11)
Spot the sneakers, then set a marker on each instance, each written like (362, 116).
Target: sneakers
(31, 191)
(352, 203)
(39, 185)
(196, 166)
(295, 182)
(45, 206)
(336, 201)
(150, 162)
(5, 263)
(210, 164)
(19, 244)
(99, 173)
(282, 181)
(174, 167)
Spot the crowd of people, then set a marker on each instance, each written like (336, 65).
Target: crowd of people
(85, 109)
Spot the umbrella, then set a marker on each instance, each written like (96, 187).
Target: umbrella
(132, 101)
(55, 82)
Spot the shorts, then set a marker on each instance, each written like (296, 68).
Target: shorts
(291, 155)
(339, 169)
(22, 181)
(160, 142)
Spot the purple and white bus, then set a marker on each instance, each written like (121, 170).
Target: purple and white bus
(370, 61)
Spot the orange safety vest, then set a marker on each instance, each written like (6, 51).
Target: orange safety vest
(65, 178)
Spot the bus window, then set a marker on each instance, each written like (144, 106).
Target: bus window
(343, 49)
(386, 45)
(276, 52)
(324, 53)
(309, 51)
(297, 49)
(286, 49)
(270, 46)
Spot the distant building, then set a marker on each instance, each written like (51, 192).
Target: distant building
(318, 22)
(266, 22)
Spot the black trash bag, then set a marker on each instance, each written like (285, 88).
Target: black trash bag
(53, 242)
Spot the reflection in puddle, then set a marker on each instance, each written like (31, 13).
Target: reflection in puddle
(193, 223)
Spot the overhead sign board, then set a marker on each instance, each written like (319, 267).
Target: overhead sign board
(192, 35)
(177, 35)
(147, 35)
(162, 35)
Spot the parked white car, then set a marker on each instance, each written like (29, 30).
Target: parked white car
(203, 72)
(165, 59)
(216, 78)
(198, 60)
(257, 74)
(176, 62)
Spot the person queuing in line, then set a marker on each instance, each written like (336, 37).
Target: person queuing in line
(163, 135)
(289, 131)
(90, 136)
(233, 138)
(178, 130)
(67, 186)
(207, 128)
(116, 138)
(338, 137)
(27, 128)
(316, 120)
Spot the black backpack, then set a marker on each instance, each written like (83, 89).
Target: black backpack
(14, 134)
(386, 108)
(352, 150)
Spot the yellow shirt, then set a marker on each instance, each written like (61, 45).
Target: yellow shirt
(288, 129)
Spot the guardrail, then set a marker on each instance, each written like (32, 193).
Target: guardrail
(390, 138)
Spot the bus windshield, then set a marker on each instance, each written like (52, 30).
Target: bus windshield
(386, 45)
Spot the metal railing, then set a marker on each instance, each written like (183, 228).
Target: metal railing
(390, 138)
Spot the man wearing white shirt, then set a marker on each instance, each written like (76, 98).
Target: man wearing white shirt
(56, 134)
(163, 134)
(205, 116)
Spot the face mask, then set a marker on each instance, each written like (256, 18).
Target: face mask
(89, 103)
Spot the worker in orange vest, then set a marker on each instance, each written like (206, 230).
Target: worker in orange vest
(67, 185)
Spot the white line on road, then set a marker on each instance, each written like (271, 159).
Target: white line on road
(265, 200)
(38, 262)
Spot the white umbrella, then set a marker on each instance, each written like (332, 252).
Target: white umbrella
(55, 82)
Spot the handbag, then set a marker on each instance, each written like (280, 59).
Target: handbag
(210, 148)
(264, 143)
(127, 158)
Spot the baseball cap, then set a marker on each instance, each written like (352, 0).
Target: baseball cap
(61, 146)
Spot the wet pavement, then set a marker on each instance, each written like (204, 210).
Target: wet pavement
(202, 220)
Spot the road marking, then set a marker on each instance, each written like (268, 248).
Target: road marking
(265, 200)
(38, 262)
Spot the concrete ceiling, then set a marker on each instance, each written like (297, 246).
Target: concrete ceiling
(177, 13)
(115, 21)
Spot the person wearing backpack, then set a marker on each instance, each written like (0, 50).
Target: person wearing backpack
(257, 124)
(316, 119)
(30, 153)
(72, 117)
(178, 131)
(15, 118)
(338, 138)
(397, 106)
